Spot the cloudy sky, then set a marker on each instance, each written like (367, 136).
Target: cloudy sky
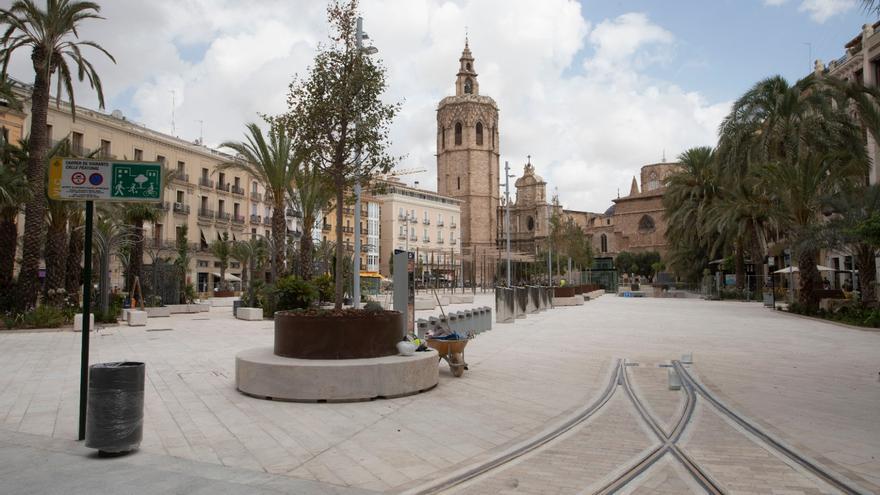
(591, 90)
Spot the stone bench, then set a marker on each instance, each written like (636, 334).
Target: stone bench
(78, 322)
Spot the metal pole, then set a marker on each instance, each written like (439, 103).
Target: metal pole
(87, 311)
(356, 265)
(507, 216)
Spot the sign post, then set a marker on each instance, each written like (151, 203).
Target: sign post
(99, 180)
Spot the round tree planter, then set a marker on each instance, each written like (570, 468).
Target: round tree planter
(261, 373)
(355, 336)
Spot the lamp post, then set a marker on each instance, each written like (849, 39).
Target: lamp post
(507, 216)
(360, 36)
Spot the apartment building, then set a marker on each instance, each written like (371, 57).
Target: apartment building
(370, 228)
(421, 221)
(208, 202)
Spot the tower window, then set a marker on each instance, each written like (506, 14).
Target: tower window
(468, 65)
(443, 139)
(458, 133)
(603, 243)
(468, 86)
(458, 179)
(479, 133)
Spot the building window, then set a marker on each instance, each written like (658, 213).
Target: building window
(458, 133)
(49, 134)
(160, 159)
(5, 135)
(180, 197)
(653, 181)
(479, 133)
(138, 155)
(76, 142)
(105, 148)
(603, 244)
(443, 138)
(646, 224)
(458, 179)
(530, 223)
(468, 86)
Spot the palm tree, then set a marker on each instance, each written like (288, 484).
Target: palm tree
(311, 196)
(14, 190)
(273, 163)
(690, 193)
(222, 250)
(182, 261)
(249, 254)
(52, 36)
(73, 268)
(136, 215)
(111, 236)
(58, 215)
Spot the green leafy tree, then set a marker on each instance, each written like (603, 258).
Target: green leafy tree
(273, 162)
(52, 36)
(222, 250)
(338, 110)
(851, 230)
(14, 191)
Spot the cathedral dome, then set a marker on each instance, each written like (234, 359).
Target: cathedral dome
(610, 211)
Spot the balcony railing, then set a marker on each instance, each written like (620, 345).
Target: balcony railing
(348, 230)
(439, 223)
(426, 239)
(206, 213)
(238, 190)
(181, 208)
(440, 241)
(365, 248)
(426, 221)
(237, 218)
(267, 220)
(223, 187)
(402, 217)
(165, 206)
(256, 219)
(326, 227)
(206, 182)
(255, 196)
(181, 177)
(452, 225)
(291, 212)
(413, 238)
(223, 216)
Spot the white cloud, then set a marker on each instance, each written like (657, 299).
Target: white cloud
(774, 3)
(821, 10)
(578, 98)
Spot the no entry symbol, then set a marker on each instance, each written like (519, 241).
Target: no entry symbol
(78, 178)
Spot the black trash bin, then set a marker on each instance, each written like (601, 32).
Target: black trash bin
(115, 412)
(235, 305)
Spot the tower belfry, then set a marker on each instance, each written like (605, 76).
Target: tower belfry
(468, 156)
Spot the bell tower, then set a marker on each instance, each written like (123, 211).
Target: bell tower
(468, 156)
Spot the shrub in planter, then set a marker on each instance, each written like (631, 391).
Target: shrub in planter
(324, 284)
(292, 292)
(44, 316)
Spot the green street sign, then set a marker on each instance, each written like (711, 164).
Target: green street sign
(74, 179)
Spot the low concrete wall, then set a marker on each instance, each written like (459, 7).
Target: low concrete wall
(159, 311)
(422, 303)
(594, 294)
(461, 298)
(221, 302)
(565, 301)
(521, 298)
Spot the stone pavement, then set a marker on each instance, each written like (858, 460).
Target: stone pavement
(811, 383)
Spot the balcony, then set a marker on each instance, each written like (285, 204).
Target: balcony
(413, 238)
(401, 236)
(365, 248)
(439, 223)
(181, 177)
(206, 182)
(347, 211)
(181, 208)
(238, 190)
(348, 230)
(426, 221)
(293, 213)
(222, 216)
(326, 227)
(452, 225)
(206, 213)
(165, 206)
(256, 219)
(440, 241)
(267, 220)
(402, 217)
(426, 239)
(223, 187)
(255, 196)
(237, 219)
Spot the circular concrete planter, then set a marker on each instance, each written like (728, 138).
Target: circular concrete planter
(346, 335)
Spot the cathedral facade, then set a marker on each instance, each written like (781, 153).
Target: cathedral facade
(467, 157)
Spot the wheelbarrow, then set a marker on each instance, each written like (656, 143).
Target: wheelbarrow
(452, 351)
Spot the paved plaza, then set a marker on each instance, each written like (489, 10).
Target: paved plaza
(811, 384)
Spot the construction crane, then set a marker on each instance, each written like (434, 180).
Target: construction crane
(405, 171)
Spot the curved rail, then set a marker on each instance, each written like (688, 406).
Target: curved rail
(473, 472)
(829, 477)
(668, 445)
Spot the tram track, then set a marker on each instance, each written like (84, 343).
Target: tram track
(668, 442)
(829, 477)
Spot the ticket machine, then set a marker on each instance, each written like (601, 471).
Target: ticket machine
(405, 289)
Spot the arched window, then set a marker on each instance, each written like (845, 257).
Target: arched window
(458, 133)
(468, 65)
(468, 86)
(603, 243)
(653, 181)
(479, 133)
(646, 224)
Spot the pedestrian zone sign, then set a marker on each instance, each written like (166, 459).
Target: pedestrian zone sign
(76, 179)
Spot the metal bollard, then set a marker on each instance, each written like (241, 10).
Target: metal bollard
(433, 324)
(468, 322)
(421, 328)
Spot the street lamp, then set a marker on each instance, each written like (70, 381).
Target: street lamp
(360, 36)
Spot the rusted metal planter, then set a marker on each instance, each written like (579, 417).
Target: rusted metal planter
(329, 336)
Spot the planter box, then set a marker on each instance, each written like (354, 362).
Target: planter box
(355, 336)
(565, 301)
(224, 293)
(137, 318)
(249, 314)
(78, 322)
(198, 308)
(178, 308)
(563, 292)
(423, 303)
(159, 312)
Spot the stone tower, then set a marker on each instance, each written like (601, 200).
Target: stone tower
(467, 157)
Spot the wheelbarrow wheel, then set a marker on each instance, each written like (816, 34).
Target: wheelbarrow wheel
(456, 364)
